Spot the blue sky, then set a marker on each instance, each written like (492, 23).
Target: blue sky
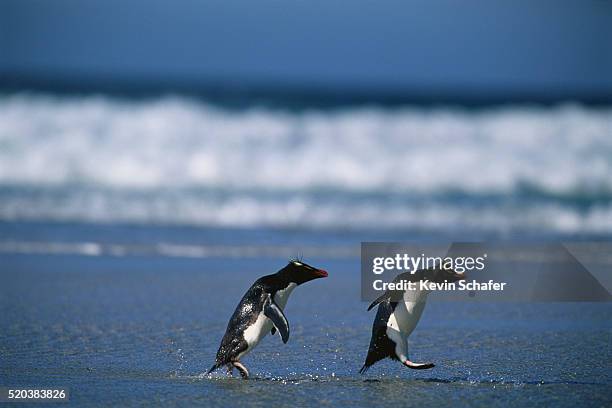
(385, 44)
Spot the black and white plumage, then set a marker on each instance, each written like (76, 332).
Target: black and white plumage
(397, 316)
(261, 312)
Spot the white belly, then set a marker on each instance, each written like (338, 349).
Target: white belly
(282, 296)
(262, 326)
(407, 313)
(257, 331)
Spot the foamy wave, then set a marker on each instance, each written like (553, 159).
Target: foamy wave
(180, 161)
(177, 142)
(171, 250)
(303, 211)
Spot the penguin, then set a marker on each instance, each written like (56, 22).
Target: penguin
(397, 316)
(261, 312)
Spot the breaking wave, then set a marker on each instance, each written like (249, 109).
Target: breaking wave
(177, 160)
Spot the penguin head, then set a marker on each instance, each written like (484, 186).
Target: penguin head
(441, 275)
(299, 272)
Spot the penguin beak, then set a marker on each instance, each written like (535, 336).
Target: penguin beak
(320, 273)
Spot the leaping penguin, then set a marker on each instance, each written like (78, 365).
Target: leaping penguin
(261, 312)
(397, 316)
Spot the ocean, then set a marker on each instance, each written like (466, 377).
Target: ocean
(130, 228)
(180, 161)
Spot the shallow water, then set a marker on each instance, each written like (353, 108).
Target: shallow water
(138, 329)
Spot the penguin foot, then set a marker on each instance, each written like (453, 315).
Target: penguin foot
(230, 370)
(418, 366)
(244, 373)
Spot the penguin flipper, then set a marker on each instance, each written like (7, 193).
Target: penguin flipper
(392, 295)
(274, 313)
(379, 300)
(273, 331)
